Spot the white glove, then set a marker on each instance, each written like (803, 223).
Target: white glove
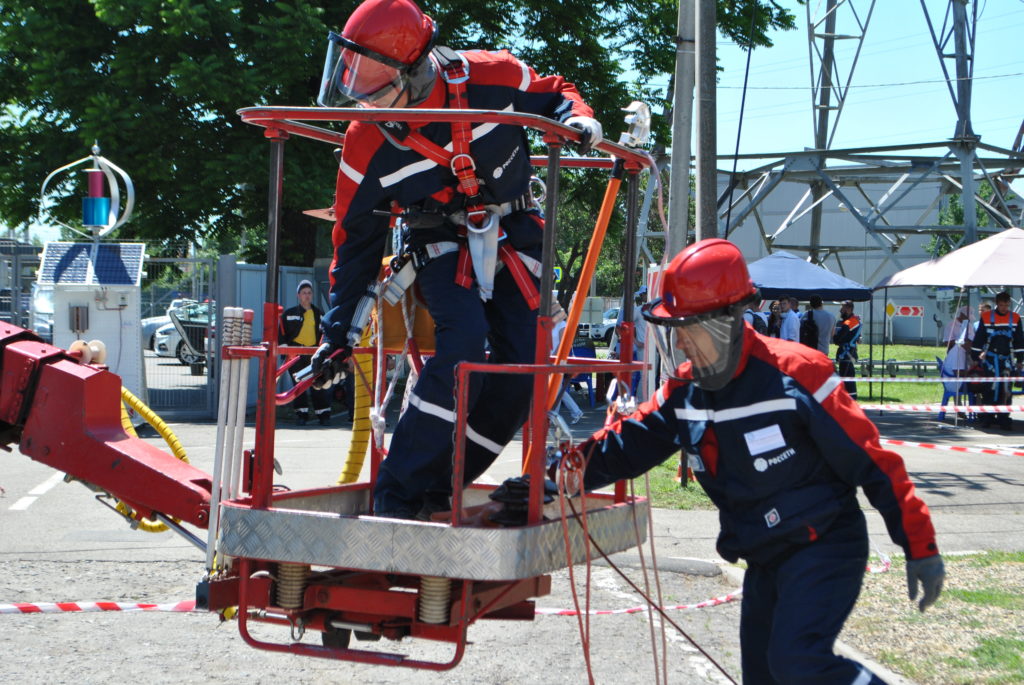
(591, 130)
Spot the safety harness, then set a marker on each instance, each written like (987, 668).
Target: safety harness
(1000, 363)
(480, 222)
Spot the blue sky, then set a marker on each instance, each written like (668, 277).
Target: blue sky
(897, 94)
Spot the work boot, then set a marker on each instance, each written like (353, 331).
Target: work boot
(301, 418)
(324, 418)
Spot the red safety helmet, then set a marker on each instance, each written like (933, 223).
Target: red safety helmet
(699, 316)
(381, 53)
(704, 277)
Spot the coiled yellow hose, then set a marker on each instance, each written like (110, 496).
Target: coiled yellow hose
(165, 432)
(362, 427)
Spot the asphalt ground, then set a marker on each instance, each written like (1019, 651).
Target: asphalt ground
(57, 544)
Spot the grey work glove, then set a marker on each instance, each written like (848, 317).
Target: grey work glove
(590, 129)
(930, 572)
(328, 364)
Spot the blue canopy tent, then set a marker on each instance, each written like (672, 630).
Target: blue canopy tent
(782, 273)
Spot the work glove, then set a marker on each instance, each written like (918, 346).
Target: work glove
(929, 572)
(328, 364)
(590, 129)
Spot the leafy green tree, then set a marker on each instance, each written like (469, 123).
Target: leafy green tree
(157, 83)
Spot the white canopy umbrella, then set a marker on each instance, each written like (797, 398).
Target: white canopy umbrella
(995, 261)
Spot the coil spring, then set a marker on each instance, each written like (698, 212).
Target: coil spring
(291, 583)
(435, 596)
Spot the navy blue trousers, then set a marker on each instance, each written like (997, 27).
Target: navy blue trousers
(418, 468)
(794, 608)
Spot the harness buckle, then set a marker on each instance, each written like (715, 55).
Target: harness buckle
(470, 166)
(455, 76)
(492, 220)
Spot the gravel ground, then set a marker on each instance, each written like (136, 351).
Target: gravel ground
(936, 647)
(181, 648)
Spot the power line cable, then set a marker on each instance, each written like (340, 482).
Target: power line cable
(739, 127)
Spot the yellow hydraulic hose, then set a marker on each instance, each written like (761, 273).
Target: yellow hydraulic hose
(362, 427)
(165, 432)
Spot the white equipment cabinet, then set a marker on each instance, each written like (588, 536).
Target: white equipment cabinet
(97, 295)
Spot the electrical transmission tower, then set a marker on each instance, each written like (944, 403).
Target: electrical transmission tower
(881, 202)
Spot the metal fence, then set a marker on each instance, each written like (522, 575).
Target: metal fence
(178, 385)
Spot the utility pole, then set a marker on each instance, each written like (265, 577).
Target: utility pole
(823, 107)
(682, 127)
(707, 153)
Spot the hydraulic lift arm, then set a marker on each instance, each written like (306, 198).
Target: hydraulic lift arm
(67, 415)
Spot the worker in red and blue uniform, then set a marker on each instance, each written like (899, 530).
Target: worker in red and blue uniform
(780, 448)
(480, 291)
(998, 342)
(846, 337)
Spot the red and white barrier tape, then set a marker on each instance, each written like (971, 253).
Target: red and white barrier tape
(953, 448)
(190, 605)
(87, 607)
(933, 408)
(934, 379)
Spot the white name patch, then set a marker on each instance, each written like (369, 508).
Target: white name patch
(764, 440)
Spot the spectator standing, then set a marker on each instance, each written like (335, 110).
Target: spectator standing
(825, 320)
(846, 337)
(565, 399)
(300, 325)
(958, 336)
(983, 309)
(789, 328)
(756, 318)
(774, 318)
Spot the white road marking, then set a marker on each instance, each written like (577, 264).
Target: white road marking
(47, 484)
(37, 492)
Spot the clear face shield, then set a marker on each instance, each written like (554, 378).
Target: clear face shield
(357, 76)
(712, 343)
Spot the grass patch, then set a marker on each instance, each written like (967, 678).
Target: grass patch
(996, 651)
(971, 635)
(989, 597)
(667, 493)
(990, 558)
(902, 393)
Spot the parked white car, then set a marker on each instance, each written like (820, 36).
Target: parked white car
(151, 324)
(196, 319)
(603, 331)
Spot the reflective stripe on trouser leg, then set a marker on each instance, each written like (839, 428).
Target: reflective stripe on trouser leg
(421, 447)
(503, 401)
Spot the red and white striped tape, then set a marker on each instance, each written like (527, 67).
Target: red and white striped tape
(933, 408)
(934, 379)
(190, 605)
(87, 607)
(954, 448)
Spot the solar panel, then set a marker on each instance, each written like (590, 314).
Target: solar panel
(65, 263)
(92, 264)
(118, 264)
